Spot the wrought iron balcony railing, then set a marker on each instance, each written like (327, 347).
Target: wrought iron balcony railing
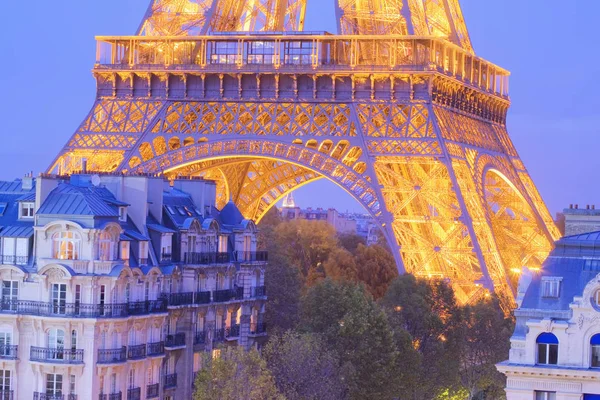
(156, 349)
(200, 337)
(152, 391)
(170, 381)
(166, 257)
(259, 291)
(134, 393)
(251, 256)
(14, 260)
(112, 356)
(176, 340)
(8, 352)
(49, 396)
(258, 328)
(220, 296)
(206, 258)
(219, 335)
(136, 352)
(6, 395)
(202, 298)
(58, 356)
(302, 52)
(186, 299)
(80, 310)
(112, 396)
(232, 332)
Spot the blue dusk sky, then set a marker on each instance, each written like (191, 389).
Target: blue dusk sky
(47, 50)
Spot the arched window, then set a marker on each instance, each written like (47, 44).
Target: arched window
(547, 346)
(595, 343)
(66, 245)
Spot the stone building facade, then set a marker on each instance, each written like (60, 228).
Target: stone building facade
(113, 287)
(555, 348)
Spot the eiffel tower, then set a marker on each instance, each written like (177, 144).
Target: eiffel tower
(395, 108)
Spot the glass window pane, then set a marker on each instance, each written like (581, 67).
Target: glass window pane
(542, 353)
(553, 357)
(595, 356)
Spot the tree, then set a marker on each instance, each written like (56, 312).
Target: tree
(354, 325)
(238, 374)
(266, 228)
(303, 367)
(427, 310)
(341, 266)
(350, 241)
(486, 342)
(376, 268)
(283, 284)
(304, 244)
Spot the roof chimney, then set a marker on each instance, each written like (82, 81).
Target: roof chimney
(84, 166)
(577, 206)
(570, 206)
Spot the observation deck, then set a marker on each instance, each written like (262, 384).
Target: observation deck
(300, 53)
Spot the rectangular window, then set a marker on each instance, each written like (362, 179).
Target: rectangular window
(125, 251)
(150, 376)
(26, 210)
(550, 287)
(123, 214)
(10, 293)
(222, 244)
(59, 298)
(143, 252)
(113, 383)
(147, 291)
(132, 378)
(596, 356)
(547, 353)
(54, 384)
(5, 383)
(72, 384)
(545, 395)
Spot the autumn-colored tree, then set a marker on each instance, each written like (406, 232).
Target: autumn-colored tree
(304, 368)
(341, 266)
(376, 268)
(237, 375)
(353, 324)
(350, 241)
(283, 284)
(304, 244)
(266, 228)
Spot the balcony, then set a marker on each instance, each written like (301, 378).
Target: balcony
(170, 381)
(175, 341)
(112, 356)
(6, 395)
(156, 349)
(56, 356)
(152, 391)
(8, 352)
(113, 396)
(206, 258)
(219, 335)
(220, 296)
(200, 337)
(14, 260)
(259, 291)
(134, 393)
(202, 298)
(80, 310)
(47, 396)
(259, 328)
(166, 257)
(136, 352)
(250, 256)
(232, 332)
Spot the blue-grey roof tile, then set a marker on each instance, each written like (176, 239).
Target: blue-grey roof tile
(17, 231)
(160, 228)
(72, 200)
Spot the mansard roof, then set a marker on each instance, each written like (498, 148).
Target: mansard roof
(231, 215)
(575, 261)
(67, 199)
(10, 195)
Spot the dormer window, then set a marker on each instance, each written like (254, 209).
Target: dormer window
(26, 210)
(551, 287)
(123, 214)
(3, 208)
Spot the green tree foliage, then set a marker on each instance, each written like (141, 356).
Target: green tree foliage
(283, 284)
(486, 342)
(266, 228)
(303, 367)
(428, 312)
(350, 241)
(353, 324)
(236, 375)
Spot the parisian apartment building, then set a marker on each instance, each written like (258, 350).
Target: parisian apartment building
(555, 348)
(118, 287)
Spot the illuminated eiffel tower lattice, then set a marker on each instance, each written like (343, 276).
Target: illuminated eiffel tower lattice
(395, 108)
